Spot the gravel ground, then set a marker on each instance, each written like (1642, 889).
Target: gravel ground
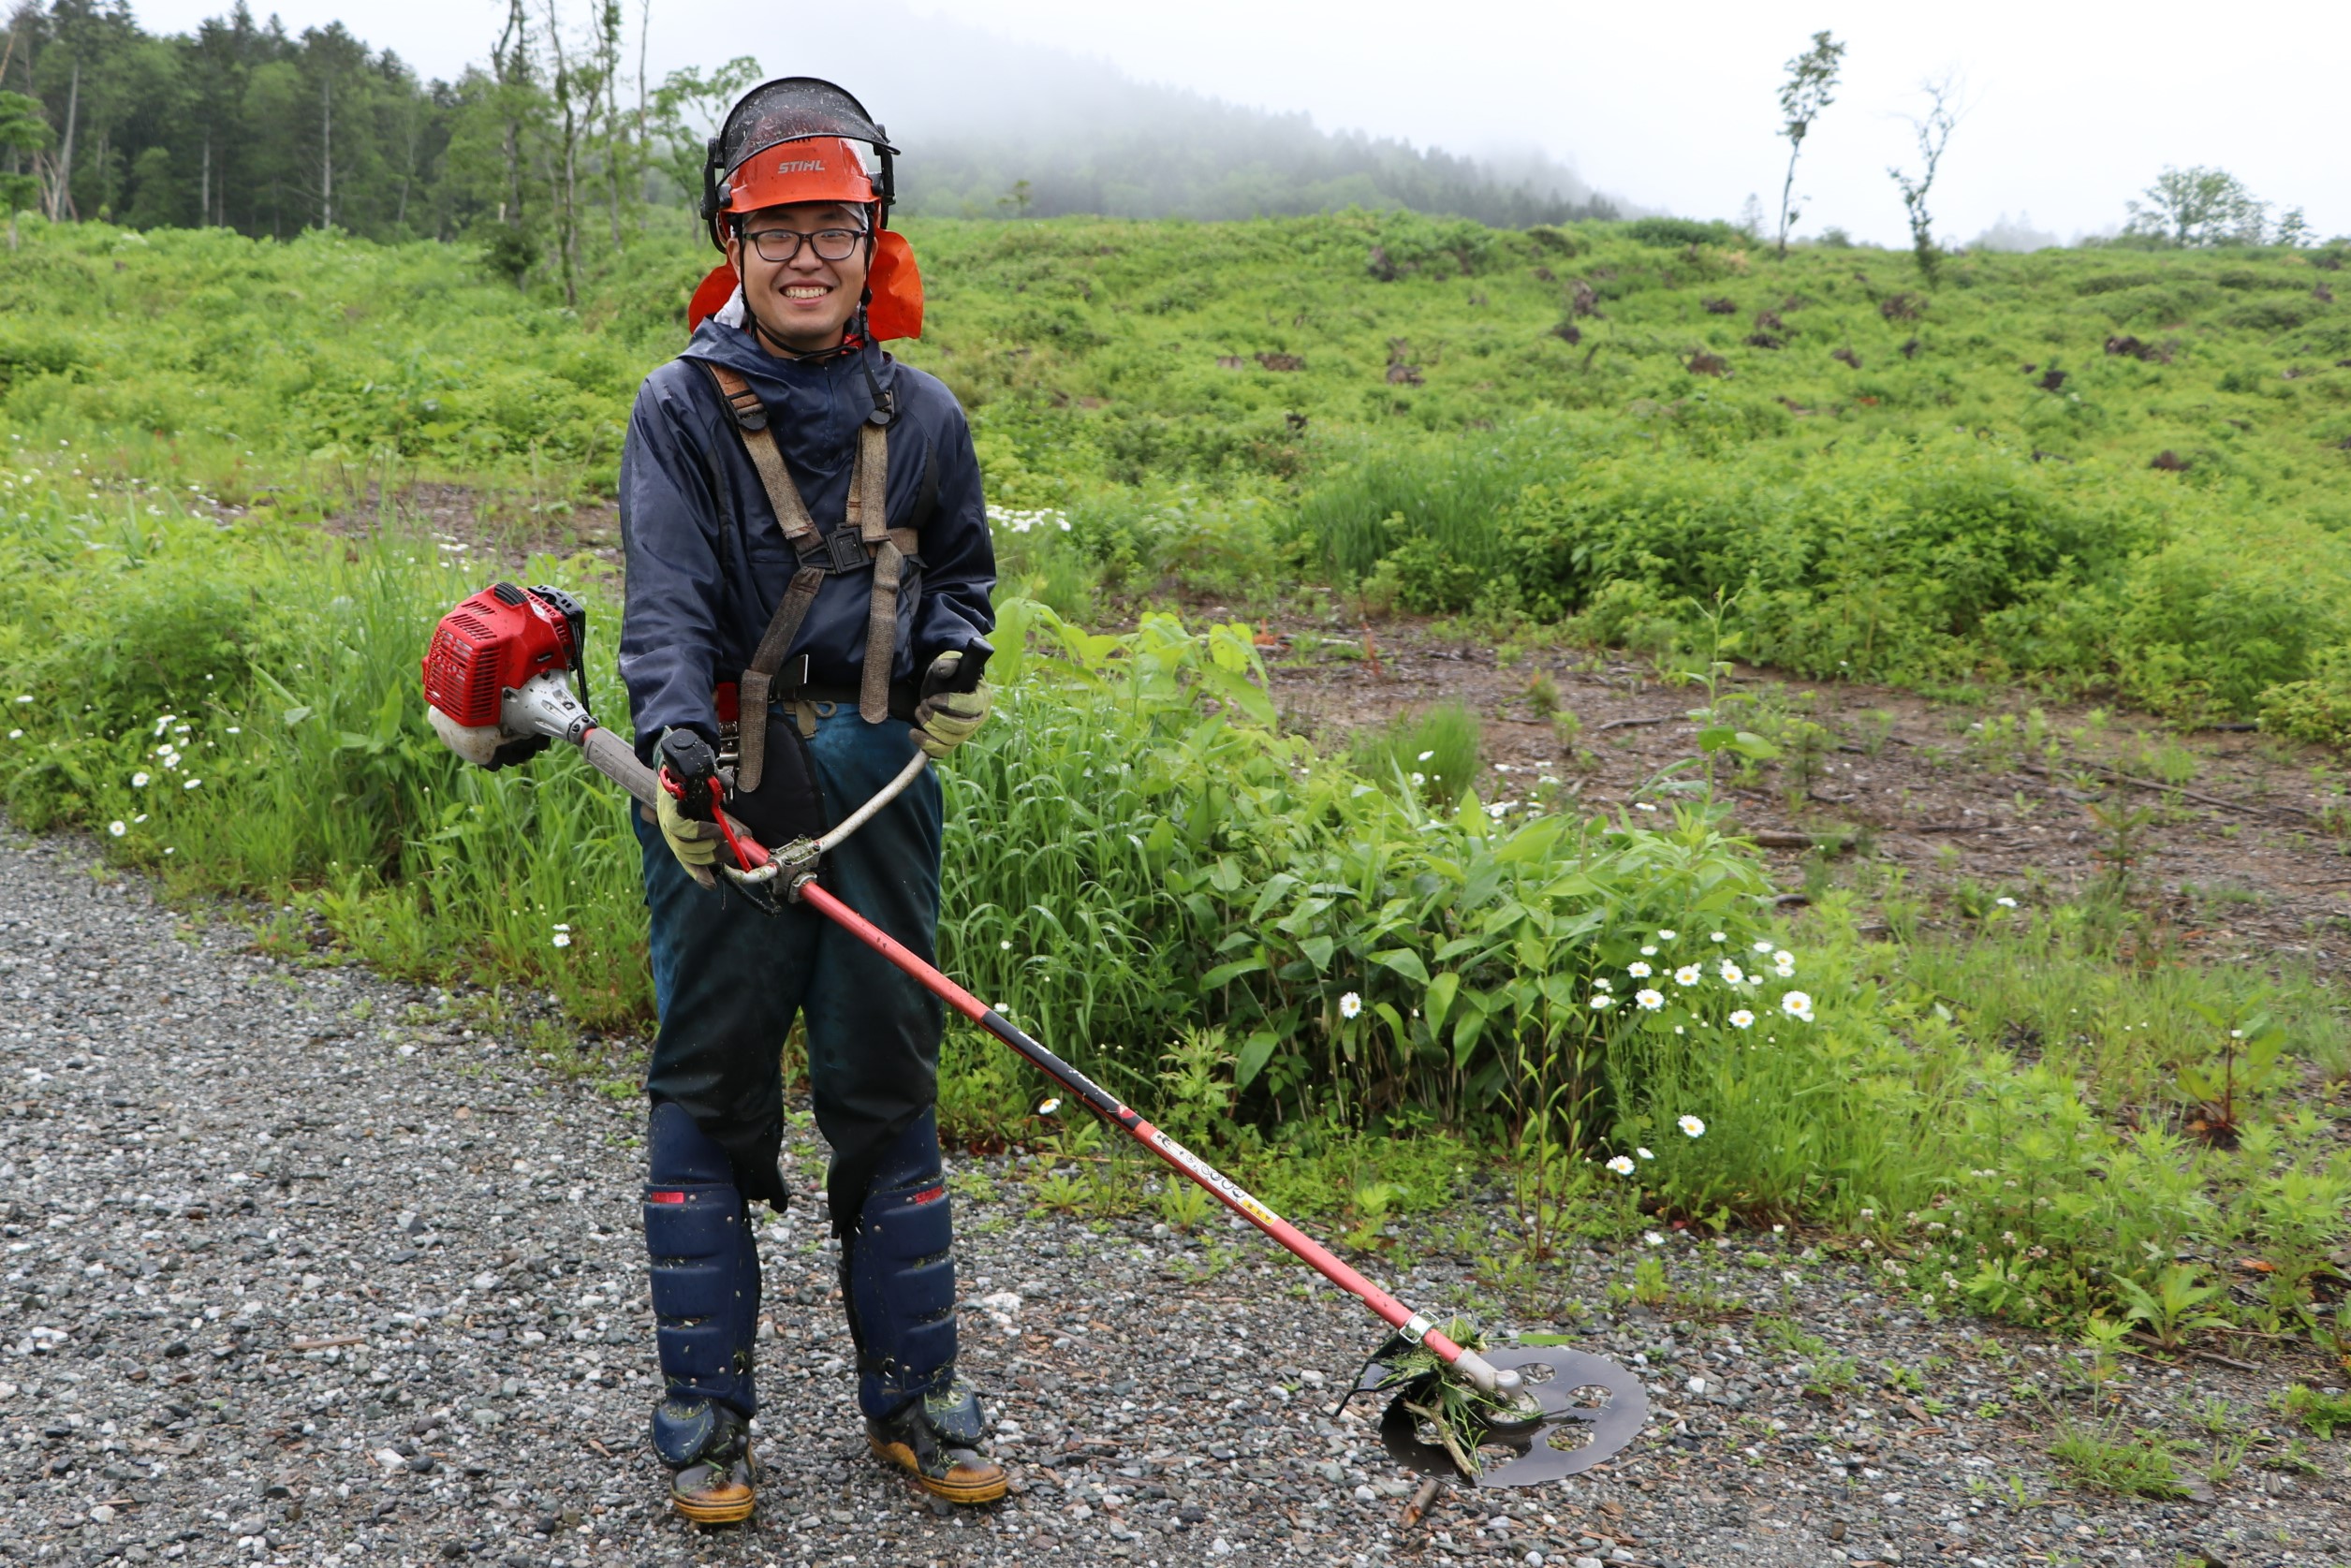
(300, 1268)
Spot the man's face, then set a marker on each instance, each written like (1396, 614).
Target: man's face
(806, 300)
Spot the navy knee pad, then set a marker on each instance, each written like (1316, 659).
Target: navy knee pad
(705, 1266)
(900, 1271)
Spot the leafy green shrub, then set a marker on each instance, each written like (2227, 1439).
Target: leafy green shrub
(2318, 710)
(2272, 315)
(1680, 231)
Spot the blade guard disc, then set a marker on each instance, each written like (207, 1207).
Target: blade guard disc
(1592, 1409)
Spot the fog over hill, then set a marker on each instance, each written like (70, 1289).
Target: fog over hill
(228, 119)
(978, 114)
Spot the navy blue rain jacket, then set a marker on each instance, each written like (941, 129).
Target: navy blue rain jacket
(706, 558)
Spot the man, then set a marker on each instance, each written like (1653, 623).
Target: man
(804, 535)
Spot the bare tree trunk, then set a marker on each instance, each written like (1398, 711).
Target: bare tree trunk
(565, 174)
(204, 183)
(407, 173)
(615, 137)
(1787, 188)
(61, 189)
(513, 41)
(326, 154)
(645, 42)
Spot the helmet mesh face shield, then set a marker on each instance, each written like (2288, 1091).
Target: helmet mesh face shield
(790, 109)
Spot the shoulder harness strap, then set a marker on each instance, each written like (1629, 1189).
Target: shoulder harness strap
(866, 535)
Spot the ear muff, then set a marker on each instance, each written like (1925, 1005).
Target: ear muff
(709, 294)
(893, 289)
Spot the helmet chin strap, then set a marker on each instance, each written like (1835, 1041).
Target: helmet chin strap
(805, 356)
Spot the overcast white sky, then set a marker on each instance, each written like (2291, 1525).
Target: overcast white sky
(2074, 106)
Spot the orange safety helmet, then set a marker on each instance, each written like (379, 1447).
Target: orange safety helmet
(791, 140)
(805, 120)
(813, 169)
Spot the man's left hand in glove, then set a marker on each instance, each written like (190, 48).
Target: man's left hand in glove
(944, 718)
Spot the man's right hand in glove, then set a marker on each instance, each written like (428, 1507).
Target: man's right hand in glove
(694, 843)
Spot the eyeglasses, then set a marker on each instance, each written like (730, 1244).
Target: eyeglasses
(782, 244)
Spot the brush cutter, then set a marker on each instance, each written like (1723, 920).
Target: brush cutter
(497, 682)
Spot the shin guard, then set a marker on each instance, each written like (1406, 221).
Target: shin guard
(900, 1274)
(705, 1271)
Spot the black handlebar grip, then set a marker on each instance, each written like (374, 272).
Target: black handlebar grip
(687, 758)
(970, 667)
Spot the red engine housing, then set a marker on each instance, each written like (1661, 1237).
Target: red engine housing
(499, 639)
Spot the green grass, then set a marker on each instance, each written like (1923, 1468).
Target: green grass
(1432, 753)
(1343, 988)
(1208, 399)
(2099, 1457)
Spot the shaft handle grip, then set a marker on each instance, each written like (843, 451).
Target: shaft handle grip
(613, 757)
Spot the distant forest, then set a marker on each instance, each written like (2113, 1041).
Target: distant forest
(558, 142)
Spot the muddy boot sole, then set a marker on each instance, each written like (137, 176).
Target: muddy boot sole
(983, 1487)
(706, 1512)
(726, 1499)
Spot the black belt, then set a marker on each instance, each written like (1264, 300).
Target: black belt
(903, 696)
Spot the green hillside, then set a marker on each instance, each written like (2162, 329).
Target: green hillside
(2107, 470)
(1350, 991)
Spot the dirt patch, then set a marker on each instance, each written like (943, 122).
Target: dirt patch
(505, 528)
(2233, 836)
(2242, 843)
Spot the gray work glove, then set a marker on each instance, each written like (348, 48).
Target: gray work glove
(945, 718)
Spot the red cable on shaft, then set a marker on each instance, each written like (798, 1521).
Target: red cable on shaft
(1219, 1186)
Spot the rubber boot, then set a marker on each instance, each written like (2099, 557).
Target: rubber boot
(705, 1270)
(899, 1268)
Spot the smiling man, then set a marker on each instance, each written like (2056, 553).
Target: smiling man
(809, 572)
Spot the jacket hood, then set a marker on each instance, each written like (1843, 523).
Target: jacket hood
(813, 406)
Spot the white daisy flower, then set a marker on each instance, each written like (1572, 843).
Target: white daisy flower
(1730, 972)
(1653, 1239)
(1796, 1004)
(1668, 936)
(1638, 969)
(1691, 1125)
(2005, 903)
(1716, 936)
(1650, 1000)
(1688, 974)
(1743, 1019)
(1049, 1106)
(1763, 946)
(118, 827)
(1350, 1005)
(1644, 1153)
(1622, 1165)
(1602, 1002)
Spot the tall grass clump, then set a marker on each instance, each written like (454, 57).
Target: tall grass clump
(1431, 752)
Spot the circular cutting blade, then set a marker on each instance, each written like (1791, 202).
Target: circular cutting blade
(1591, 1410)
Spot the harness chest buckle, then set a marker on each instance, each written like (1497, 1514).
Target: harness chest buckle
(844, 551)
